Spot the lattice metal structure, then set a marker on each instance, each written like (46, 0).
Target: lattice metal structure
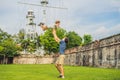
(30, 31)
(44, 4)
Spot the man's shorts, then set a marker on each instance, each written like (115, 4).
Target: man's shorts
(60, 59)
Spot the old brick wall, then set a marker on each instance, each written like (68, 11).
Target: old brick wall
(33, 59)
(102, 53)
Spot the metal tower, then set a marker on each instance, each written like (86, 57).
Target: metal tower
(30, 31)
(44, 4)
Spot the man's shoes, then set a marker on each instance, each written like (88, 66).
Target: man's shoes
(63, 77)
(60, 76)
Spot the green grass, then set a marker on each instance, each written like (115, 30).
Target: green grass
(49, 72)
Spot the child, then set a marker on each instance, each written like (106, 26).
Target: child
(44, 27)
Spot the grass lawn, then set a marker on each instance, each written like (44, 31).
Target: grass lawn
(48, 72)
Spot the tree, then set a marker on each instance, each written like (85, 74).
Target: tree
(8, 47)
(1, 49)
(30, 46)
(47, 39)
(87, 39)
(21, 35)
(3, 35)
(74, 39)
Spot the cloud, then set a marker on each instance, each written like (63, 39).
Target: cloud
(100, 32)
(98, 18)
(115, 29)
(103, 31)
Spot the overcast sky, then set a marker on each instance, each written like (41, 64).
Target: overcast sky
(100, 18)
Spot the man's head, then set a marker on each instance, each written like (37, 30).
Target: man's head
(66, 39)
(57, 23)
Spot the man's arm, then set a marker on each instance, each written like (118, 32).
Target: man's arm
(55, 36)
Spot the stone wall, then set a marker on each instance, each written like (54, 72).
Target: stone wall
(102, 53)
(32, 59)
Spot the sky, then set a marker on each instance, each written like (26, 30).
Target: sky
(99, 18)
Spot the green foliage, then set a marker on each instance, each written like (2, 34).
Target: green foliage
(28, 45)
(47, 39)
(49, 72)
(25, 43)
(21, 34)
(3, 35)
(1, 48)
(74, 39)
(7, 45)
(87, 39)
(10, 48)
(31, 46)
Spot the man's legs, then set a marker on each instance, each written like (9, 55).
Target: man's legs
(57, 66)
(61, 69)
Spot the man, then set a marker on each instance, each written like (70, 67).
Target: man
(60, 61)
(44, 27)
